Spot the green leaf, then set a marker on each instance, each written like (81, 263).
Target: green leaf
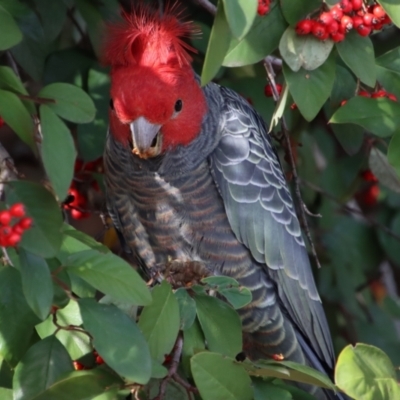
(80, 385)
(237, 295)
(92, 137)
(10, 81)
(221, 325)
(366, 372)
(351, 137)
(77, 343)
(379, 165)
(294, 11)
(58, 151)
(159, 321)
(17, 320)
(358, 54)
(40, 367)
(220, 378)
(15, 114)
(393, 10)
(117, 339)
(94, 23)
(310, 89)
(193, 342)
(240, 15)
(251, 49)
(44, 238)
(71, 102)
(53, 15)
(187, 308)
(217, 46)
(6, 394)
(305, 52)
(379, 116)
(36, 283)
(267, 390)
(388, 70)
(110, 274)
(10, 33)
(289, 371)
(393, 156)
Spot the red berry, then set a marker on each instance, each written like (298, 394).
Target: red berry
(338, 37)
(5, 217)
(262, 10)
(392, 97)
(368, 176)
(378, 94)
(78, 366)
(268, 90)
(17, 210)
(13, 239)
(326, 18)
(364, 30)
(336, 12)
(379, 12)
(77, 214)
(346, 22)
(25, 223)
(346, 6)
(368, 19)
(343, 102)
(370, 197)
(304, 26)
(293, 106)
(386, 20)
(333, 27)
(18, 229)
(357, 4)
(99, 360)
(364, 93)
(319, 31)
(378, 27)
(1, 122)
(357, 21)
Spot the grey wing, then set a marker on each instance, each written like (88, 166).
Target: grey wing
(260, 211)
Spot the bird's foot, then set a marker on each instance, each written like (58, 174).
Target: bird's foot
(184, 273)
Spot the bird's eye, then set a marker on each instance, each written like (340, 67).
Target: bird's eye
(178, 105)
(111, 104)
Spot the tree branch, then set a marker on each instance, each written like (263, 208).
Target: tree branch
(268, 64)
(38, 100)
(176, 355)
(8, 171)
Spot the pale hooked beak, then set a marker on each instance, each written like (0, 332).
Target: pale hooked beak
(146, 138)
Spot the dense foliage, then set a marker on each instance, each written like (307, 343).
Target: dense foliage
(78, 322)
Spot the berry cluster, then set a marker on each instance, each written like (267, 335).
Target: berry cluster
(77, 201)
(368, 196)
(263, 7)
(343, 17)
(374, 95)
(78, 366)
(13, 223)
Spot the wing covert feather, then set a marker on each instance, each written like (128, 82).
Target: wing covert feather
(260, 211)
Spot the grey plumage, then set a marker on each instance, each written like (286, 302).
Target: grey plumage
(223, 200)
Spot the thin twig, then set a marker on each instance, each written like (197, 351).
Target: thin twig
(352, 210)
(68, 327)
(75, 23)
(8, 171)
(302, 207)
(65, 287)
(38, 100)
(176, 355)
(207, 6)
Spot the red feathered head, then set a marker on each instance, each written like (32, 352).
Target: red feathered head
(152, 81)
